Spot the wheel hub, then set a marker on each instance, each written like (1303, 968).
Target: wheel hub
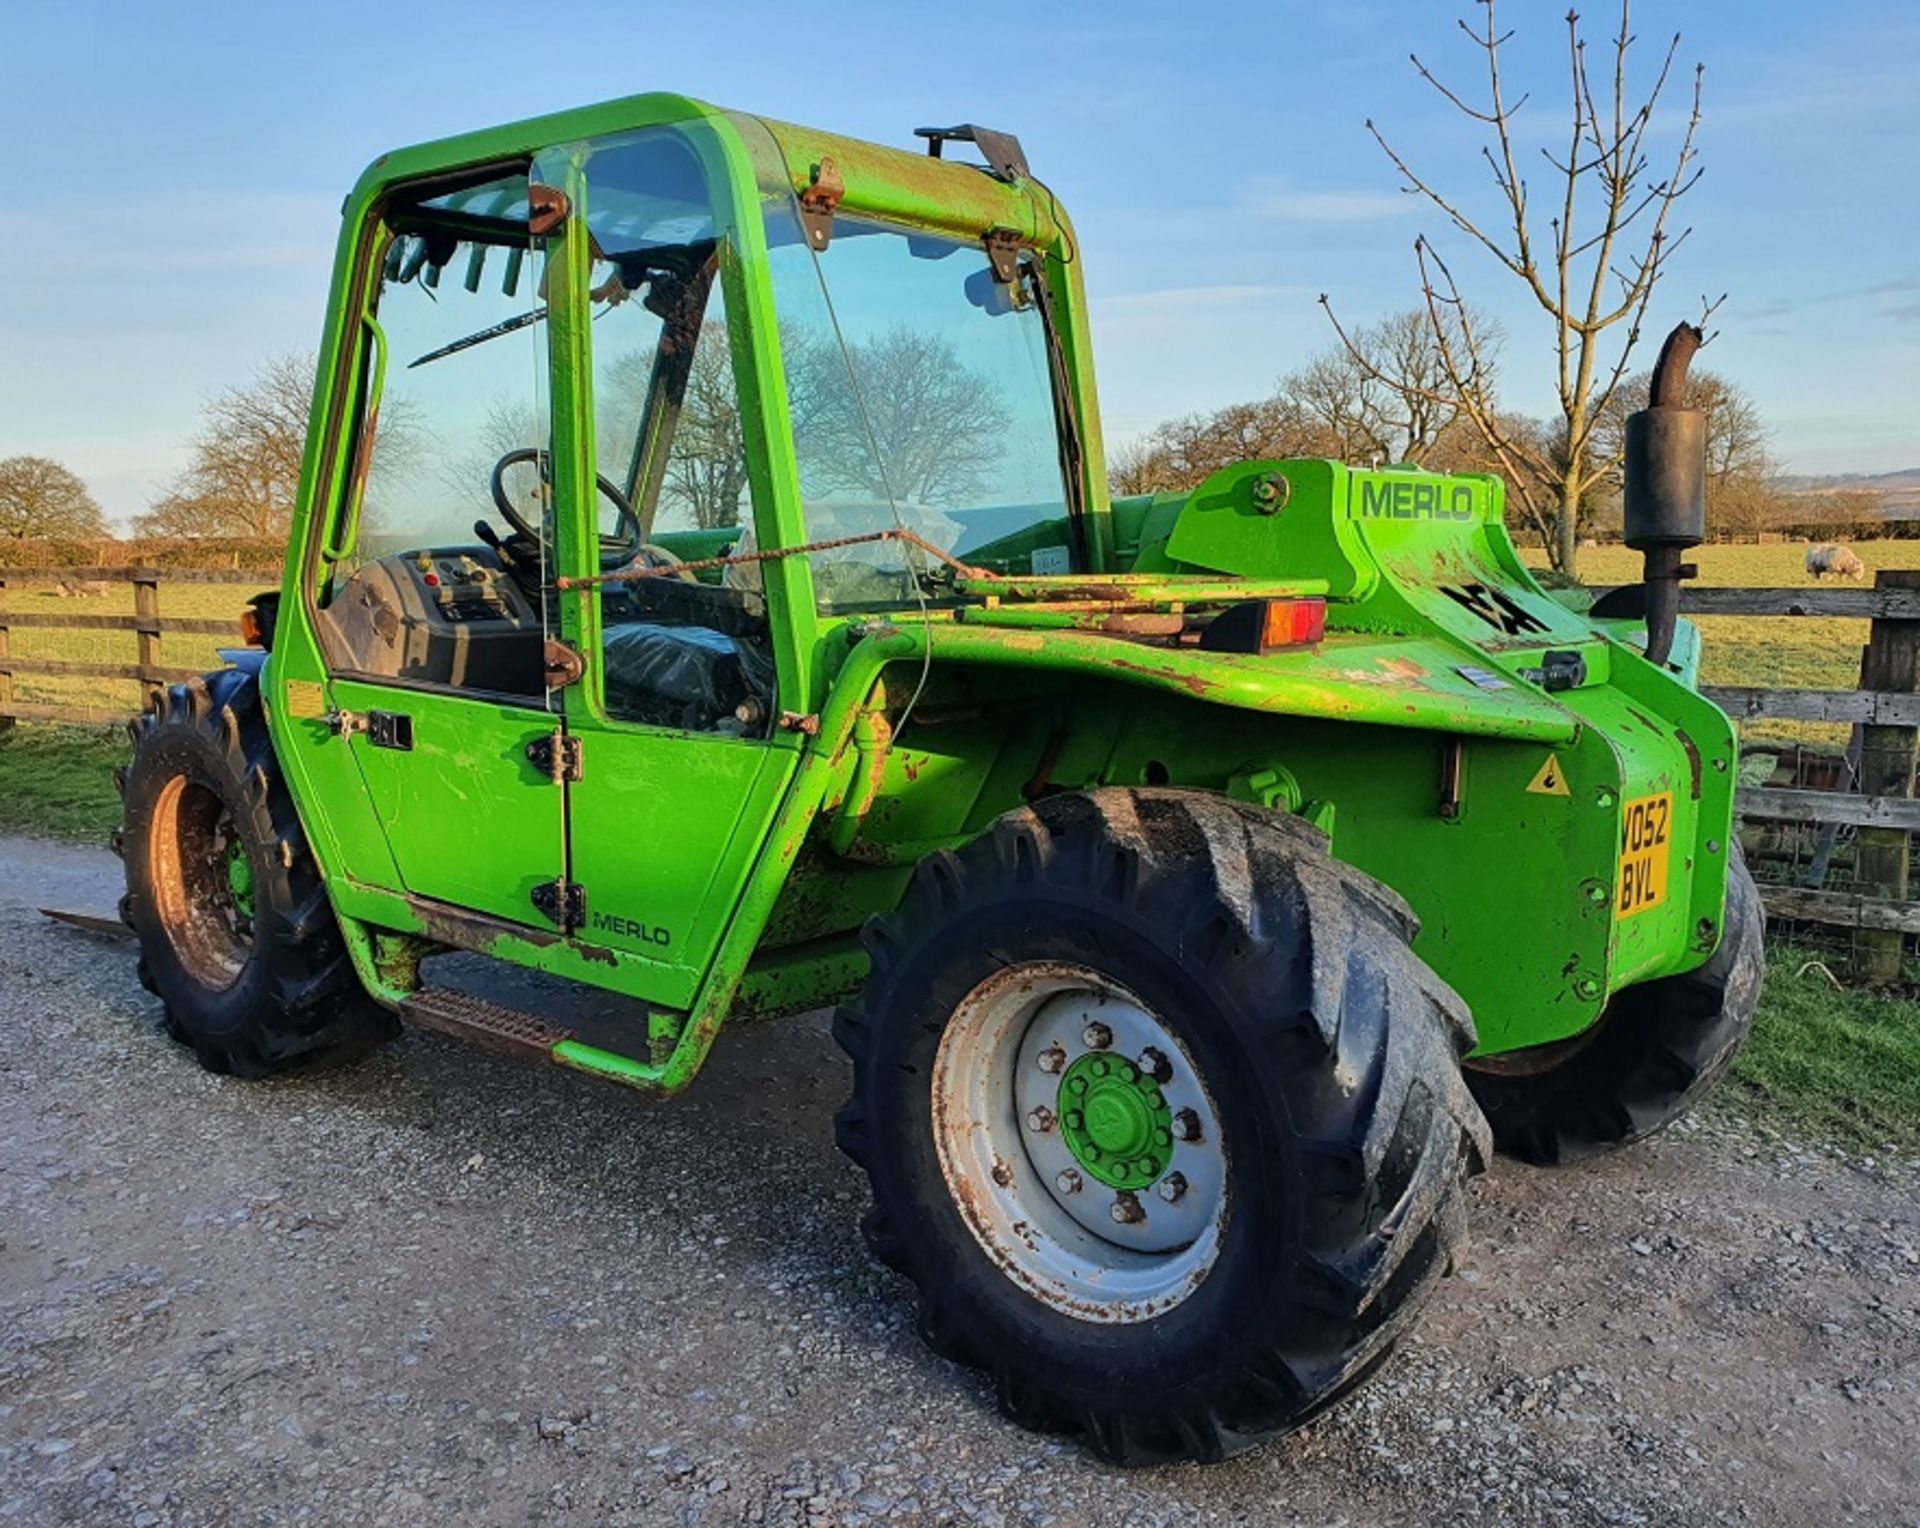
(1080, 1142)
(1116, 1121)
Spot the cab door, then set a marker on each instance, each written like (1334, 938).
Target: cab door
(682, 766)
(435, 600)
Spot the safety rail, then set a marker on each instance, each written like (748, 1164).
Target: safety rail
(147, 625)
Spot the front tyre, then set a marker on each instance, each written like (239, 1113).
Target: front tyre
(1655, 1052)
(237, 937)
(1161, 1115)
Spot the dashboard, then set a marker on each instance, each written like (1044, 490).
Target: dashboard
(441, 615)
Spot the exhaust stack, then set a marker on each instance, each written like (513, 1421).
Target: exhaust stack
(1664, 507)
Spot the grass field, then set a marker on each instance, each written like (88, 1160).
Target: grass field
(1770, 651)
(1839, 1065)
(187, 601)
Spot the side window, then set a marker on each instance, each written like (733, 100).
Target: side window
(686, 649)
(444, 583)
(922, 400)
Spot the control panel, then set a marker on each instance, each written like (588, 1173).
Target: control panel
(461, 589)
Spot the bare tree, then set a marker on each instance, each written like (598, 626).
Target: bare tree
(1181, 453)
(935, 423)
(1385, 396)
(40, 497)
(1593, 273)
(707, 467)
(245, 468)
(1744, 495)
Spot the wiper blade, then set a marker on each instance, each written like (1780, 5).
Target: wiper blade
(493, 332)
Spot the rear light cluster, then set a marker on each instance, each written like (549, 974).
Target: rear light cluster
(1260, 626)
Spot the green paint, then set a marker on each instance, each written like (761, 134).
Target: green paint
(1115, 1121)
(240, 879)
(731, 874)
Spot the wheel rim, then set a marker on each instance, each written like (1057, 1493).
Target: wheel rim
(202, 883)
(1079, 1142)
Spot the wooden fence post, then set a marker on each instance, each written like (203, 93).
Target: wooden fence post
(6, 651)
(146, 610)
(1891, 664)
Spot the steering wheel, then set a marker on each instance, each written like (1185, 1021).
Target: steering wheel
(624, 544)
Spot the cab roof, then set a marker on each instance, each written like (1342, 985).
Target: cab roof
(887, 182)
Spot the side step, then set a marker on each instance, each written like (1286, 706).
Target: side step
(506, 1031)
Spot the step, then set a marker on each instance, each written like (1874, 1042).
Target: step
(506, 1031)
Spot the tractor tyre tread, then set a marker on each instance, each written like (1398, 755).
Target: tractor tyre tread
(1653, 1054)
(297, 1000)
(1349, 1048)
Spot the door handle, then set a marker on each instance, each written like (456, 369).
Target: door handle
(390, 729)
(384, 729)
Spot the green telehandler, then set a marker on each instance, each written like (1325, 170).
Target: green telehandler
(704, 586)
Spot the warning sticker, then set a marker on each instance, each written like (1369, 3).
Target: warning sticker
(1645, 837)
(1549, 781)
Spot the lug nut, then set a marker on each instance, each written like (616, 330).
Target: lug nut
(1172, 1187)
(1126, 1210)
(1186, 1125)
(1052, 1059)
(1068, 1182)
(1096, 1036)
(1155, 1064)
(1040, 1118)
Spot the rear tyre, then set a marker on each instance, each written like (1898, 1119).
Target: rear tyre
(237, 938)
(1231, 1220)
(1653, 1054)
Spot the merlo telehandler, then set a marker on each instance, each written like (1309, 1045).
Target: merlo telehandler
(704, 585)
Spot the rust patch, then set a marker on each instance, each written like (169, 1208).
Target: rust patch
(1193, 682)
(1693, 759)
(474, 931)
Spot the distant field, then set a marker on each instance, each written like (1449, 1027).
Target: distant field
(186, 601)
(1769, 651)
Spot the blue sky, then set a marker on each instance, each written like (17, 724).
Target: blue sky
(179, 170)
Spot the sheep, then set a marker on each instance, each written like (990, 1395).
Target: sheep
(1830, 561)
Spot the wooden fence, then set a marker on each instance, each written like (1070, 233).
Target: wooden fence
(1877, 802)
(147, 627)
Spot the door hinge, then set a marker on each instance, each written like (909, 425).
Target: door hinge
(1003, 254)
(822, 195)
(556, 756)
(562, 902)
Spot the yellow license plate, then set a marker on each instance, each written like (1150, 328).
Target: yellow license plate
(1645, 835)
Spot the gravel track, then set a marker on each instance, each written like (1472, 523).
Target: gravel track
(441, 1288)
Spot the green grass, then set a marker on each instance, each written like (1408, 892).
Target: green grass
(56, 782)
(183, 601)
(1785, 652)
(1840, 1065)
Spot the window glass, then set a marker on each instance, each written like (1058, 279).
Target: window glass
(464, 369)
(447, 580)
(687, 650)
(921, 396)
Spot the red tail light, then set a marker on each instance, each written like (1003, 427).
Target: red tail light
(1260, 626)
(1293, 623)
